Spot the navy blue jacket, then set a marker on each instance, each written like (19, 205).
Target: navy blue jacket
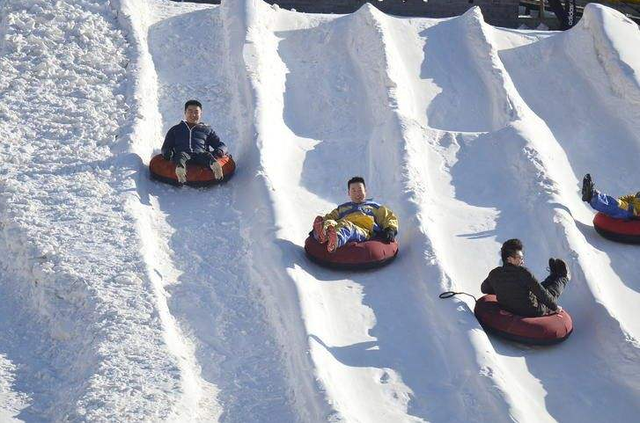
(199, 139)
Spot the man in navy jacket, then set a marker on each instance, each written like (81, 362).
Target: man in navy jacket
(191, 141)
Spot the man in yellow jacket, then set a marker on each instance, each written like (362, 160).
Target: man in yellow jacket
(355, 221)
(626, 207)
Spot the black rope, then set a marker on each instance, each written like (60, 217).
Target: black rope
(449, 294)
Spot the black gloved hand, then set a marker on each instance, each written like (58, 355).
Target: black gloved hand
(390, 234)
(167, 155)
(558, 268)
(218, 152)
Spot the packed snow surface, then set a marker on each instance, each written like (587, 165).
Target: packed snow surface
(122, 299)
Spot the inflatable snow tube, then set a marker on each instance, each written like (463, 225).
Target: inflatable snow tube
(353, 256)
(619, 230)
(545, 330)
(197, 176)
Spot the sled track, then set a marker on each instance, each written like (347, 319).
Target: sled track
(203, 258)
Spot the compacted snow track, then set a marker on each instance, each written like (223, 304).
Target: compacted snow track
(125, 299)
(203, 256)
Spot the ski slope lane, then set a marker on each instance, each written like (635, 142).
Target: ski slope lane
(203, 257)
(317, 138)
(431, 153)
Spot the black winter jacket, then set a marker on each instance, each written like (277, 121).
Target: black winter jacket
(199, 139)
(518, 291)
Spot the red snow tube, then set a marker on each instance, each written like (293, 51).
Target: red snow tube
(355, 255)
(545, 330)
(197, 176)
(620, 230)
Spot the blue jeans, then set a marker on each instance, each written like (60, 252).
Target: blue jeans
(608, 205)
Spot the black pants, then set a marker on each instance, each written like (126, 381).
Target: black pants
(555, 285)
(183, 158)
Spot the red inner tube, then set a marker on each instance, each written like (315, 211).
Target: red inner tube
(354, 255)
(549, 329)
(165, 171)
(620, 230)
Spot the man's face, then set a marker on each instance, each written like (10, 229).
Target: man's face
(517, 259)
(357, 192)
(193, 114)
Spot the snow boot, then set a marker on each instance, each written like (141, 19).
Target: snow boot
(318, 230)
(181, 174)
(332, 239)
(587, 188)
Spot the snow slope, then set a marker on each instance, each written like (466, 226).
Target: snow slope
(123, 299)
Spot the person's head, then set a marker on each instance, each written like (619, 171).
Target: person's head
(357, 189)
(512, 253)
(192, 111)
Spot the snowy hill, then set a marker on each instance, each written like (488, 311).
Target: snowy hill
(122, 299)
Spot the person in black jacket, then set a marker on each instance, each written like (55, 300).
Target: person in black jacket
(518, 291)
(191, 141)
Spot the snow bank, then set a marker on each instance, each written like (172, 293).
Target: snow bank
(70, 247)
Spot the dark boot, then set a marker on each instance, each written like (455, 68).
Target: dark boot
(588, 188)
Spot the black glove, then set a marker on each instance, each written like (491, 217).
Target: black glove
(218, 152)
(167, 155)
(390, 234)
(558, 267)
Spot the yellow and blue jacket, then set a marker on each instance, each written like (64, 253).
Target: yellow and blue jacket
(368, 215)
(631, 203)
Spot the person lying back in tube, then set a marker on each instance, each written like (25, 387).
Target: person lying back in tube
(625, 207)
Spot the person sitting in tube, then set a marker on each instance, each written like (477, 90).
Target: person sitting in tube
(518, 291)
(355, 221)
(191, 141)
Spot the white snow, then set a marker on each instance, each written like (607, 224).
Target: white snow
(122, 299)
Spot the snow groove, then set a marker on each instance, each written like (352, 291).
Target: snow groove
(202, 262)
(196, 401)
